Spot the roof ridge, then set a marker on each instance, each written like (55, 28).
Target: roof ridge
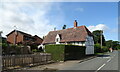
(87, 31)
(18, 31)
(67, 28)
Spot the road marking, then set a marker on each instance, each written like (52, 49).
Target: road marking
(109, 60)
(100, 67)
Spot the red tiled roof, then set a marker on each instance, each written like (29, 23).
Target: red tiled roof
(68, 35)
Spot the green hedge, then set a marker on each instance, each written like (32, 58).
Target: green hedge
(97, 48)
(57, 51)
(65, 52)
(74, 52)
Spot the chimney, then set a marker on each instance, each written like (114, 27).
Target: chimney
(75, 23)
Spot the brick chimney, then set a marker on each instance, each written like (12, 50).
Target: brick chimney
(75, 23)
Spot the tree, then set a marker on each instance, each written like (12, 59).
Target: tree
(97, 37)
(109, 43)
(64, 27)
(115, 44)
(112, 44)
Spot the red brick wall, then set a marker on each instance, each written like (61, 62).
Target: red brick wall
(11, 37)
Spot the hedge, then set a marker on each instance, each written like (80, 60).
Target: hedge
(97, 48)
(65, 52)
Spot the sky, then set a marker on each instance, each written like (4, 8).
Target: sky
(38, 18)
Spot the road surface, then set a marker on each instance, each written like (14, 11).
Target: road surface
(102, 63)
(108, 61)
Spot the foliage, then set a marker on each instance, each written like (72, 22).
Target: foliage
(57, 51)
(105, 49)
(33, 46)
(64, 27)
(34, 50)
(118, 47)
(97, 37)
(115, 44)
(97, 48)
(109, 43)
(65, 52)
(112, 44)
(9, 49)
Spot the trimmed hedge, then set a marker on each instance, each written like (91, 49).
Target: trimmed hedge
(65, 52)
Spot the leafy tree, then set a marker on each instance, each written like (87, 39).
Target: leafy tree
(112, 44)
(64, 27)
(109, 43)
(97, 37)
(118, 47)
(115, 44)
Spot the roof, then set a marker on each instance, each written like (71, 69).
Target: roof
(19, 32)
(37, 37)
(68, 35)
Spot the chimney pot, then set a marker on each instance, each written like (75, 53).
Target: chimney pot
(75, 23)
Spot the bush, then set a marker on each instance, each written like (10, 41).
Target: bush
(34, 50)
(97, 48)
(57, 51)
(13, 49)
(105, 49)
(65, 52)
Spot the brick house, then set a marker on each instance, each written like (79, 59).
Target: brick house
(19, 37)
(38, 40)
(78, 35)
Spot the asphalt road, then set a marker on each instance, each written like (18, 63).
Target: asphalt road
(108, 61)
(102, 63)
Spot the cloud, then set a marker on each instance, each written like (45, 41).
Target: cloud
(98, 27)
(27, 17)
(61, 0)
(80, 9)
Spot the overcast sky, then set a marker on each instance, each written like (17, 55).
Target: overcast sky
(38, 18)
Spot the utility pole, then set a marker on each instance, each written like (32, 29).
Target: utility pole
(101, 38)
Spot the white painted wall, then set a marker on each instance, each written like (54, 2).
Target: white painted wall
(57, 37)
(89, 45)
(78, 43)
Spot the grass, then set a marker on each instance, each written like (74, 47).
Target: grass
(100, 53)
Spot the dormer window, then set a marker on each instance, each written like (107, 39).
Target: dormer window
(57, 39)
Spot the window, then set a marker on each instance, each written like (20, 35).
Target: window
(57, 39)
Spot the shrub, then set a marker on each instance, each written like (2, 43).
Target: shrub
(34, 50)
(65, 52)
(57, 51)
(97, 48)
(105, 49)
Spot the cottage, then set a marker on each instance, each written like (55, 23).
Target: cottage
(19, 37)
(78, 35)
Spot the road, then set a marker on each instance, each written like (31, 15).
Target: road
(102, 63)
(108, 61)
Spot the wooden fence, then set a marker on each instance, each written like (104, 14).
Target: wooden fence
(25, 60)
